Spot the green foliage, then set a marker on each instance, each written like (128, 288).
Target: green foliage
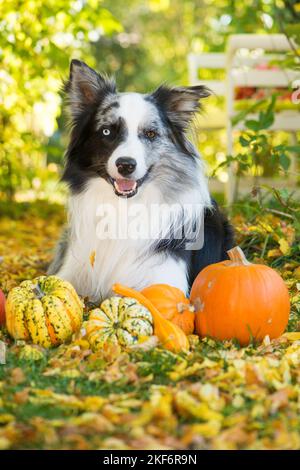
(158, 34)
(256, 143)
(37, 40)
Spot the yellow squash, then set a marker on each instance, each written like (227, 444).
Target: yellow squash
(45, 311)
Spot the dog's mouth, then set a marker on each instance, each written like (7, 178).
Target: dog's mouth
(124, 187)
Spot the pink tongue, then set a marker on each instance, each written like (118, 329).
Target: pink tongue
(125, 185)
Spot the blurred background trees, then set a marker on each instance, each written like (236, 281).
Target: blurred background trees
(143, 43)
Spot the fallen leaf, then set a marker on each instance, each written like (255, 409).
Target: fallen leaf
(17, 376)
(284, 246)
(92, 258)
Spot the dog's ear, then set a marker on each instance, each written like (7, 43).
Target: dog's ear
(85, 87)
(180, 104)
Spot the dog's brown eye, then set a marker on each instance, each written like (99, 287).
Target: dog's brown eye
(150, 134)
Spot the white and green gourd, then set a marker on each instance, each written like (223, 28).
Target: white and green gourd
(118, 320)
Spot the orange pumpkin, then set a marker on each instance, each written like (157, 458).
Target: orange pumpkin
(238, 299)
(173, 305)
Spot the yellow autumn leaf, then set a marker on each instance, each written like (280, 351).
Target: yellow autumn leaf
(274, 253)
(70, 373)
(179, 374)
(293, 336)
(82, 343)
(4, 443)
(207, 430)
(94, 403)
(296, 273)
(284, 246)
(266, 227)
(92, 258)
(189, 406)
(6, 418)
(145, 343)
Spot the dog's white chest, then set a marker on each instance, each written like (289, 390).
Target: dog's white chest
(94, 263)
(94, 269)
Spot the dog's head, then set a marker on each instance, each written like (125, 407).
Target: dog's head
(125, 138)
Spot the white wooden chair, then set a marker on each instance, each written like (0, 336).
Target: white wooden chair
(239, 64)
(239, 74)
(209, 61)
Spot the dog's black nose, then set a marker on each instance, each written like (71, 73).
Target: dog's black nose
(126, 165)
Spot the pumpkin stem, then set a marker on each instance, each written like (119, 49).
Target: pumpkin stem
(182, 307)
(38, 291)
(237, 256)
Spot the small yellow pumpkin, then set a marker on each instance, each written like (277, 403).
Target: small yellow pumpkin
(45, 311)
(120, 321)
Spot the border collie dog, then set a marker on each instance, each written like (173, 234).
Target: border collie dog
(129, 155)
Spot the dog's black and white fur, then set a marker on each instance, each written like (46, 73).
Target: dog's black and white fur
(133, 147)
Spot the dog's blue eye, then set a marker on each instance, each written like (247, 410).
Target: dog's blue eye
(106, 131)
(150, 134)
